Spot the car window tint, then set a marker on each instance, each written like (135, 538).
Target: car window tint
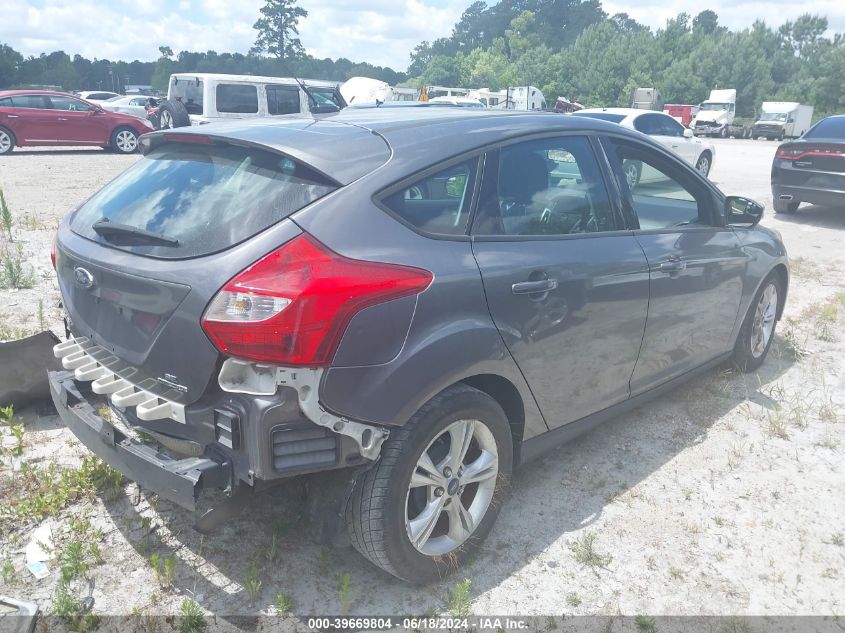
(68, 104)
(6, 102)
(30, 101)
(831, 127)
(326, 96)
(237, 98)
(646, 124)
(662, 193)
(670, 126)
(283, 99)
(547, 187)
(438, 203)
(189, 92)
(206, 197)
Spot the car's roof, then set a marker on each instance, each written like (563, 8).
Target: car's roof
(355, 141)
(54, 93)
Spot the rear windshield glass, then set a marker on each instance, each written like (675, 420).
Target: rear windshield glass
(208, 197)
(189, 92)
(832, 127)
(604, 116)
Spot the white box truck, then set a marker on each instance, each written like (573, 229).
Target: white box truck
(782, 119)
(716, 116)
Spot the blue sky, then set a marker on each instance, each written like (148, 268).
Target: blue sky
(378, 31)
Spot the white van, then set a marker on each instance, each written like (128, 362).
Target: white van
(197, 98)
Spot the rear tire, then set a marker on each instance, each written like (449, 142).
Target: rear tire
(413, 489)
(124, 140)
(172, 114)
(785, 206)
(7, 140)
(758, 328)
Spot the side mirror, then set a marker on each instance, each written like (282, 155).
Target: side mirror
(688, 133)
(742, 211)
(324, 109)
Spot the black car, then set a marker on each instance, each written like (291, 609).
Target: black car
(811, 168)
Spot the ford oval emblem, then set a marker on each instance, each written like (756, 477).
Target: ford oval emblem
(83, 277)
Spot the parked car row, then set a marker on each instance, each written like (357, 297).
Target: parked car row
(46, 118)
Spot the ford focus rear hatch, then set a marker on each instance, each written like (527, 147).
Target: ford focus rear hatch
(139, 261)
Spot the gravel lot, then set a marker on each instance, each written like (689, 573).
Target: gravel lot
(723, 497)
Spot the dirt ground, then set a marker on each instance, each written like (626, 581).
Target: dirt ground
(726, 496)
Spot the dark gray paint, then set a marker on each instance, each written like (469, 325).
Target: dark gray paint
(389, 372)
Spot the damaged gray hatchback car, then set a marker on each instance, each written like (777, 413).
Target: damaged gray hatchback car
(416, 300)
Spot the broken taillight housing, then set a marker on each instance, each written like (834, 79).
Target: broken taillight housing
(292, 306)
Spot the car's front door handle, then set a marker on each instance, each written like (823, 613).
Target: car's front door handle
(12, 116)
(534, 287)
(673, 266)
(61, 118)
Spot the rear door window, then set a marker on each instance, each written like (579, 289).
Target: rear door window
(438, 203)
(283, 99)
(30, 101)
(207, 197)
(237, 98)
(832, 127)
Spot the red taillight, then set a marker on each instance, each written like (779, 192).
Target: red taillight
(805, 151)
(53, 254)
(292, 306)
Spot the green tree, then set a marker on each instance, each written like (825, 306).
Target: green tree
(278, 30)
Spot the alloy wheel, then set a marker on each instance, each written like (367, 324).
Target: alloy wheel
(165, 120)
(126, 141)
(764, 320)
(703, 165)
(451, 487)
(5, 142)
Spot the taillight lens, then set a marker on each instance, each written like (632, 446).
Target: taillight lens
(292, 306)
(53, 253)
(788, 153)
(794, 153)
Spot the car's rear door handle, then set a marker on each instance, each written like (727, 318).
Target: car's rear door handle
(61, 118)
(534, 287)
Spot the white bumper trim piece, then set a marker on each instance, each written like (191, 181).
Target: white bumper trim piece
(91, 362)
(243, 376)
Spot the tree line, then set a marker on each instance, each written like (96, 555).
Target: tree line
(572, 48)
(59, 69)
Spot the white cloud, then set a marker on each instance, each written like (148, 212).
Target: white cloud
(382, 32)
(735, 15)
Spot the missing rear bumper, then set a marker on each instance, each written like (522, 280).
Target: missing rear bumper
(179, 480)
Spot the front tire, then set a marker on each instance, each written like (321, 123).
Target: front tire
(7, 141)
(435, 493)
(758, 328)
(124, 140)
(703, 164)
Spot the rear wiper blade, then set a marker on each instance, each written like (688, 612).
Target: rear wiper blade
(105, 228)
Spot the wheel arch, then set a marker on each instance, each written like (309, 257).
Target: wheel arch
(783, 272)
(507, 395)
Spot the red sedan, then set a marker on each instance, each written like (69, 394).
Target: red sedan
(41, 117)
